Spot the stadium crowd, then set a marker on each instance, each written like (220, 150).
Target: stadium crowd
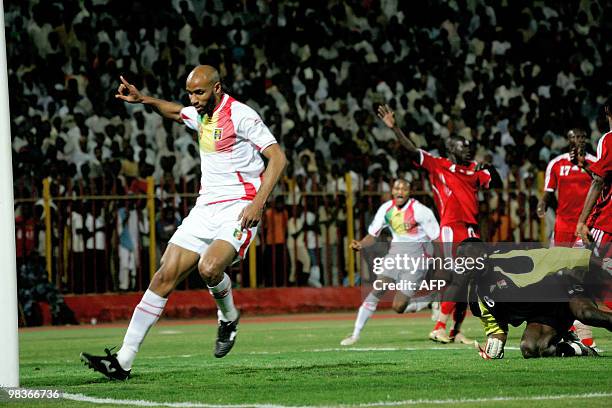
(512, 78)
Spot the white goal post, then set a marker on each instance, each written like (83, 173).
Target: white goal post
(9, 344)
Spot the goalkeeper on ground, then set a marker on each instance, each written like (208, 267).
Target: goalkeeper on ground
(548, 288)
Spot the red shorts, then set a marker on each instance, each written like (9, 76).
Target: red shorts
(564, 239)
(602, 243)
(453, 234)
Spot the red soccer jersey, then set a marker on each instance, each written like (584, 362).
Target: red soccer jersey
(601, 215)
(455, 188)
(572, 185)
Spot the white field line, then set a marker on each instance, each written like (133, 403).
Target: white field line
(144, 403)
(464, 347)
(326, 350)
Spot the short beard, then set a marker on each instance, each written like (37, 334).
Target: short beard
(209, 107)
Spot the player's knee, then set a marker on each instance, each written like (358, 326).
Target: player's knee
(582, 311)
(529, 349)
(165, 279)
(210, 268)
(586, 314)
(544, 349)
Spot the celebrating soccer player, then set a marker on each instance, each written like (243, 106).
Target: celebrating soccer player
(566, 173)
(235, 185)
(412, 225)
(455, 182)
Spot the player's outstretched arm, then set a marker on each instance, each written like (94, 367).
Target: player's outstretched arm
(129, 93)
(251, 214)
(582, 230)
(388, 117)
(365, 242)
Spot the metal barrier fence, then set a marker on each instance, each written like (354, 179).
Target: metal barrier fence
(93, 237)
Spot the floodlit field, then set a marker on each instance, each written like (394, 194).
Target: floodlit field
(297, 361)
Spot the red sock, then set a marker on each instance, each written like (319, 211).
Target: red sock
(608, 303)
(440, 325)
(573, 329)
(446, 308)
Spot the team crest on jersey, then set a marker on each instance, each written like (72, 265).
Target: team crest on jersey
(502, 284)
(410, 227)
(238, 234)
(217, 133)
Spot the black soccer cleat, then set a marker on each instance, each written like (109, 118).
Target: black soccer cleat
(570, 336)
(226, 337)
(107, 365)
(575, 348)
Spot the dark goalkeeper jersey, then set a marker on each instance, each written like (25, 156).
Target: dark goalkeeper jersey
(516, 283)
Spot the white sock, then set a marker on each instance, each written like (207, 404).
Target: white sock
(442, 317)
(225, 301)
(145, 315)
(583, 331)
(366, 310)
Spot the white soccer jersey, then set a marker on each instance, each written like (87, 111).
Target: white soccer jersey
(413, 222)
(230, 145)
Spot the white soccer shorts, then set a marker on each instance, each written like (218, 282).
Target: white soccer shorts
(402, 274)
(405, 277)
(207, 223)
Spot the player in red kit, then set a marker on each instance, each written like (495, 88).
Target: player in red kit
(455, 182)
(595, 222)
(572, 182)
(567, 175)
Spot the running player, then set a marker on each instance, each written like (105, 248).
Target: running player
(548, 288)
(412, 225)
(235, 185)
(455, 182)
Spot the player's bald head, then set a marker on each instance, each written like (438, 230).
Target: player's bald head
(206, 74)
(204, 88)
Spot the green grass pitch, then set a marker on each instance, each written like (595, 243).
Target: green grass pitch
(299, 362)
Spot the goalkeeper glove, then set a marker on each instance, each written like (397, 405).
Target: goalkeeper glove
(494, 349)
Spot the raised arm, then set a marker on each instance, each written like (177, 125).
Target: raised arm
(129, 93)
(388, 117)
